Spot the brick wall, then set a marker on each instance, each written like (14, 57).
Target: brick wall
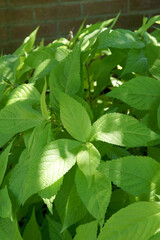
(57, 17)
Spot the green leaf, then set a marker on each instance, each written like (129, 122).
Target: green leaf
(5, 204)
(45, 60)
(74, 210)
(43, 169)
(155, 69)
(15, 118)
(87, 231)
(136, 62)
(8, 68)
(3, 161)
(137, 221)
(26, 93)
(142, 93)
(2, 88)
(43, 102)
(95, 195)
(9, 230)
(156, 236)
(48, 194)
(136, 175)
(119, 38)
(88, 159)
(27, 44)
(31, 230)
(122, 130)
(54, 229)
(158, 116)
(74, 118)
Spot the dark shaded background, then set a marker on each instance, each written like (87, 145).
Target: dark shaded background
(56, 18)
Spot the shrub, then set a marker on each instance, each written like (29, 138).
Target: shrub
(80, 136)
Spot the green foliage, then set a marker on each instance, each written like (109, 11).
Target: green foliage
(80, 136)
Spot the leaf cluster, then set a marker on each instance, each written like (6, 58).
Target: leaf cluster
(80, 136)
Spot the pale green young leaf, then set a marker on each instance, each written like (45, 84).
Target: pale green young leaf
(96, 194)
(88, 159)
(9, 230)
(141, 92)
(3, 161)
(43, 168)
(137, 221)
(119, 38)
(26, 93)
(31, 230)
(74, 210)
(122, 130)
(43, 101)
(5, 204)
(137, 175)
(15, 118)
(147, 24)
(87, 231)
(74, 118)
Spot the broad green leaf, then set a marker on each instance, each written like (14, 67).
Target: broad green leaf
(3, 161)
(141, 93)
(9, 230)
(2, 87)
(54, 229)
(158, 116)
(74, 118)
(31, 230)
(110, 150)
(27, 44)
(137, 221)
(87, 231)
(49, 194)
(155, 69)
(43, 168)
(45, 60)
(8, 68)
(5, 204)
(43, 102)
(136, 62)
(156, 236)
(24, 92)
(137, 175)
(63, 194)
(119, 38)
(74, 210)
(88, 159)
(15, 118)
(122, 130)
(95, 195)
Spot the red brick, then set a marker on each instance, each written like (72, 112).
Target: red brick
(136, 5)
(129, 22)
(56, 12)
(2, 3)
(66, 26)
(45, 30)
(3, 33)
(14, 16)
(107, 7)
(30, 2)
